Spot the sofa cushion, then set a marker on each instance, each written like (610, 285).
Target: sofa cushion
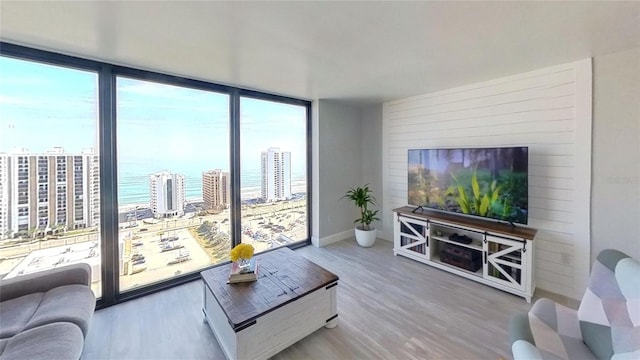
(70, 303)
(16, 313)
(52, 341)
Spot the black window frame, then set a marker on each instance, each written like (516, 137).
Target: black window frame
(107, 149)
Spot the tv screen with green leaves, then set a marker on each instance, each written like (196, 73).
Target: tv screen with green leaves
(485, 182)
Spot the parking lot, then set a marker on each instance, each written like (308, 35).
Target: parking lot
(147, 258)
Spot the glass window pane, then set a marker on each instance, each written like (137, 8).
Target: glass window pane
(273, 156)
(49, 169)
(173, 180)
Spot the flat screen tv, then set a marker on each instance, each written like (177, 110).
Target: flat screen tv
(484, 182)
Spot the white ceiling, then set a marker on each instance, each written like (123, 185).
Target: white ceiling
(360, 52)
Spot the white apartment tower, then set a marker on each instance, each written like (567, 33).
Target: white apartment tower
(275, 166)
(46, 192)
(167, 194)
(216, 189)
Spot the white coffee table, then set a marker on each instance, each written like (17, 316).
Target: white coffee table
(292, 298)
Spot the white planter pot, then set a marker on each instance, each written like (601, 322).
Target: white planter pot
(366, 238)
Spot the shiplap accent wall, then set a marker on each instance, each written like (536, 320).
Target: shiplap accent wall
(548, 110)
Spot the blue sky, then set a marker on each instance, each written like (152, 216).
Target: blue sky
(42, 106)
(160, 127)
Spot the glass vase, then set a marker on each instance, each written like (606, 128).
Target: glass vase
(244, 264)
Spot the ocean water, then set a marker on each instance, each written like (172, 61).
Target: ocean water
(134, 188)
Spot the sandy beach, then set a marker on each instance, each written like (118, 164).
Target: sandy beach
(246, 195)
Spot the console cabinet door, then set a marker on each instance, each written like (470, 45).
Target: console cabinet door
(505, 262)
(413, 236)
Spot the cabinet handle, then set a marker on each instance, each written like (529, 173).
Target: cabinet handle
(484, 257)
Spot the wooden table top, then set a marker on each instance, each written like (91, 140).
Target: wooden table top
(283, 276)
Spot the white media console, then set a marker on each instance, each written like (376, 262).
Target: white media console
(492, 253)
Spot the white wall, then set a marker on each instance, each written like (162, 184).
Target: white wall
(548, 110)
(615, 221)
(371, 128)
(336, 168)
(347, 148)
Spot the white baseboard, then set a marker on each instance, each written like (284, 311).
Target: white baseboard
(315, 241)
(320, 242)
(384, 235)
(332, 238)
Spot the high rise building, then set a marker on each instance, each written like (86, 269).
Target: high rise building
(167, 194)
(216, 189)
(46, 192)
(275, 166)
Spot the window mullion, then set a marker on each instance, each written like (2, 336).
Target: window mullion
(108, 186)
(234, 141)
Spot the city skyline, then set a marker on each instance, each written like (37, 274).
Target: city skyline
(159, 127)
(254, 183)
(58, 176)
(35, 96)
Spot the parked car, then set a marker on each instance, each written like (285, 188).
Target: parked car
(138, 269)
(169, 238)
(169, 247)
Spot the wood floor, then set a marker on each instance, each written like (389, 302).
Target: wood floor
(389, 307)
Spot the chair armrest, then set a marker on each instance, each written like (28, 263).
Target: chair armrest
(524, 350)
(43, 281)
(519, 329)
(548, 328)
(522, 342)
(558, 317)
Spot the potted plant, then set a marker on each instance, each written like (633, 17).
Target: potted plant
(362, 198)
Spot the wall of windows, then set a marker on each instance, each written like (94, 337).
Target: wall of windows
(154, 176)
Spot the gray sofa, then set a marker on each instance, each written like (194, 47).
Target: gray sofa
(606, 325)
(46, 315)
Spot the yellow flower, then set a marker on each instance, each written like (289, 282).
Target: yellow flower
(241, 251)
